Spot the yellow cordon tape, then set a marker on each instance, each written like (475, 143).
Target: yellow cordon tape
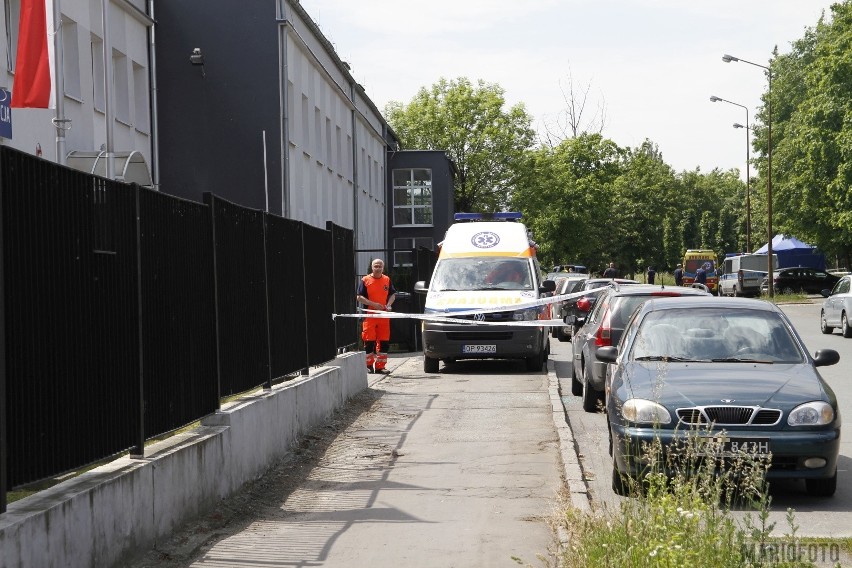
(453, 316)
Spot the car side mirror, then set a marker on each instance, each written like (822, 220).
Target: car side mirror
(420, 287)
(826, 357)
(608, 354)
(825, 293)
(584, 304)
(548, 286)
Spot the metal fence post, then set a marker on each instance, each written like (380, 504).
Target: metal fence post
(268, 384)
(138, 451)
(210, 201)
(3, 463)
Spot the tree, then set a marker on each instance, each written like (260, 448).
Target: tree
(486, 141)
(812, 135)
(565, 195)
(575, 119)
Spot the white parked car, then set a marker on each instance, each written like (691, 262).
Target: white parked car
(837, 308)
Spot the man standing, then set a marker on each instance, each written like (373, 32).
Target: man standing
(651, 274)
(611, 271)
(376, 292)
(678, 275)
(701, 274)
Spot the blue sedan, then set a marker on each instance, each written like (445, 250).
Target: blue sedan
(731, 368)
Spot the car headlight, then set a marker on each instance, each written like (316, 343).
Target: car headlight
(644, 411)
(816, 413)
(530, 314)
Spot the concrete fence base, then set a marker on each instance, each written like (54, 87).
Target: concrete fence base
(114, 511)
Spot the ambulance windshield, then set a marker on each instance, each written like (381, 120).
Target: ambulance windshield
(482, 273)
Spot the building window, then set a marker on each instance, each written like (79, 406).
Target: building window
(98, 100)
(13, 16)
(412, 197)
(121, 85)
(405, 250)
(71, 59)
(140, 97)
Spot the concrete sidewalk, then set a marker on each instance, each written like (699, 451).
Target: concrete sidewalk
(461, 468)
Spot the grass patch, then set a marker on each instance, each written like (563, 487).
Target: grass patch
(681, 513)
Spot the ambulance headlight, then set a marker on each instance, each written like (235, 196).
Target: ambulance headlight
(530, 314)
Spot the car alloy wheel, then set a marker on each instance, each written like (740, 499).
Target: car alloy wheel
(591, 397)
(844, 326)
(823, 325)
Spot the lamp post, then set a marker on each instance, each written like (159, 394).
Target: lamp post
(727, 59)
(714, 99)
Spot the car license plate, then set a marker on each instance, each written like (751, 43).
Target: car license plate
(741, 446)
(479, 349)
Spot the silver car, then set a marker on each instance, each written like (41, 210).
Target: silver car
(837, 308)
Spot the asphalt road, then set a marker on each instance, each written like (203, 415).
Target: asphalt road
(830, 517)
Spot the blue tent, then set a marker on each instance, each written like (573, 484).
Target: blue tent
(793, 252)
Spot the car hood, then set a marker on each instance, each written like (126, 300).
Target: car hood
(679, 385)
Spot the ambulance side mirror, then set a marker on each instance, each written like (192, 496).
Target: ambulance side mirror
(420, 287)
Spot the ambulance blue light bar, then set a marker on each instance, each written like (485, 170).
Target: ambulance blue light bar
(500, 216)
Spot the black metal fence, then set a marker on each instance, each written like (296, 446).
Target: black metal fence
(125, 313)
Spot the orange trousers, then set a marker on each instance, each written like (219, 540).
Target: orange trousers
(375, 332)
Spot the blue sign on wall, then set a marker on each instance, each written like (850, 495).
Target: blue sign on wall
(5, 114)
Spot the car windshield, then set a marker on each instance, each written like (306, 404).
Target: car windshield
(715, 334)
(478, 273)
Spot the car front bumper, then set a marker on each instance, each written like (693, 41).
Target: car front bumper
(510, 342)
(789, 449)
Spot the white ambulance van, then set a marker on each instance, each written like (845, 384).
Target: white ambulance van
(485, 264)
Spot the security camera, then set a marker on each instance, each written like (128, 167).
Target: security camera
(196, 58)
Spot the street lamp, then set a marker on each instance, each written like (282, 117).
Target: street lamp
(714, 99)
(727, 59)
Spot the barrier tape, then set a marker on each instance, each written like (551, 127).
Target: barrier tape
(453, 317)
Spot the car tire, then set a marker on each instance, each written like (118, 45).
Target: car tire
(620, 483)
(576, 385)
(430, 364)
(823, 325)
(536, 362)
(591, 397)
(787, 291)
(822, 487)
(844, 326)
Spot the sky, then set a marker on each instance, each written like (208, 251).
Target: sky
(651, 65)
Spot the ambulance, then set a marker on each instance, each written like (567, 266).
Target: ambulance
(486, 262)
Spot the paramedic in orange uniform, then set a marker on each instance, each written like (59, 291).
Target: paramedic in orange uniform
(377, 293)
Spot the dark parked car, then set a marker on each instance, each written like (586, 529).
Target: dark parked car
(571, 310)
(800, 279)
(733, 369)
(604, 326)
(569, 285)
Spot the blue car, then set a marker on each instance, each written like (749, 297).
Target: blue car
(733, 369)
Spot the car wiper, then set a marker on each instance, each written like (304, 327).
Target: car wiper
(739, 360)
(665, 358)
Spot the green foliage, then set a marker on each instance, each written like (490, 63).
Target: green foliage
(812, 135)
(486, 141)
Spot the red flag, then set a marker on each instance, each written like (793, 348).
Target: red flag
(33, 87)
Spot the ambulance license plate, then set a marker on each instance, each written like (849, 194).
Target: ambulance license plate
(479, 349)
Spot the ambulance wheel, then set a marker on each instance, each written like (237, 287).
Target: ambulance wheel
(536, 362)
(430, 364)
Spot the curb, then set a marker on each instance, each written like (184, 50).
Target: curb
(572, 471)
